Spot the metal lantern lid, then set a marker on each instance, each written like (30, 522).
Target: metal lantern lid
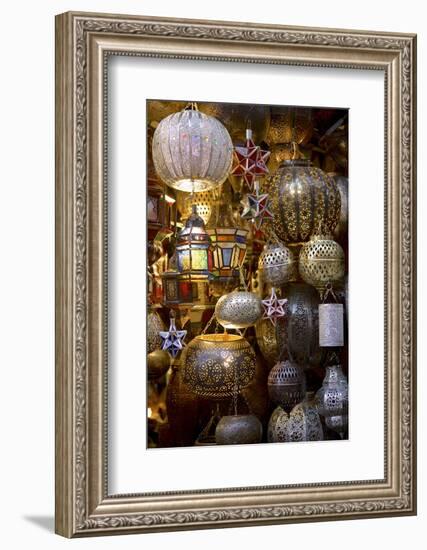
(192, 151)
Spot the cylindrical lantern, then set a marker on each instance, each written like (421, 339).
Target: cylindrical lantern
(331, 325)
(286, 384)
(238, 430)
(192, 151)
(302, 197)
(321, 261)
(193, 249)
(275, 264)
(239, 309)
(218, 365)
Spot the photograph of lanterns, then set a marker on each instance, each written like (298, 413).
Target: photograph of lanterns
(247, 261)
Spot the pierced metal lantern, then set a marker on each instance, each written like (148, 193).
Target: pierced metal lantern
(321, 261)
(192, 151)
(271, 338)
(239, 309)
(218, 365)
(204, 200)
(290, 124)
(331, 325)
(304, 422)
(302, 321)
(337, 423)
(341, 229)
(286, 384)
(276, 431)
(239, 429)
(332, 397)
(193, 249)
(228, 240)
(302, 197)
(276, 264)
(154, 326)
(158, 363)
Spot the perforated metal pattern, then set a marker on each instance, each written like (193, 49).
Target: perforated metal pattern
(275, 264)
(321, 261)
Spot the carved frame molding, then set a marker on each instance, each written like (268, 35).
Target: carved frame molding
(83, 44)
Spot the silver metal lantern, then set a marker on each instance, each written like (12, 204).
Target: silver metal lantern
(192, 151)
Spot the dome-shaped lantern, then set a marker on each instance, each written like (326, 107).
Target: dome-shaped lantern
(193, 249)
(192, 151)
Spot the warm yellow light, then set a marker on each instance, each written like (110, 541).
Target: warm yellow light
(169, 199)
(149, 412)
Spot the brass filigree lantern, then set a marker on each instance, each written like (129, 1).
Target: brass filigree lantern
(219, 365)
(193, 250)
(192, 151)
(321, 262)
(239, 429)
(302, 197)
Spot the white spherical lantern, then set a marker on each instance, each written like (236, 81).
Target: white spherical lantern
(192, 151)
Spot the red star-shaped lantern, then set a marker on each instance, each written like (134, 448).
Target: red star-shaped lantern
(256, 207)
(250, 160)
(274, 307)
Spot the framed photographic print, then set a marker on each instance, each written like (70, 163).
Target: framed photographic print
(235, 274)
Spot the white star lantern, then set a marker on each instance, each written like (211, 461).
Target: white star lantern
(173, 339)
(274, 307)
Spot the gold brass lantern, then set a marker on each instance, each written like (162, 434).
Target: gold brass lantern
(219, 365)
(193, 250)
(321, 261)
(154, 326)
(290, 125)
(192, 151)
(302, 198)
(204, 200)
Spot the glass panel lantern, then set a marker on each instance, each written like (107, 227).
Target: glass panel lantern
(228, 240)
(193, 250)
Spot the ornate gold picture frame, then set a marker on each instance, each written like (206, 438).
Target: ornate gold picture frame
(84, 43)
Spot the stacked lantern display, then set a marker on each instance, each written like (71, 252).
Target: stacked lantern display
(256, 248)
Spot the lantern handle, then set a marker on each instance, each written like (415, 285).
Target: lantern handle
(329, 290)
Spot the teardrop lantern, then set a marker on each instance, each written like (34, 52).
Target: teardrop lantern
(286, 384)
(302, 196)
(192, 151)
(332, 397)
(321, 262)
(218, 365)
